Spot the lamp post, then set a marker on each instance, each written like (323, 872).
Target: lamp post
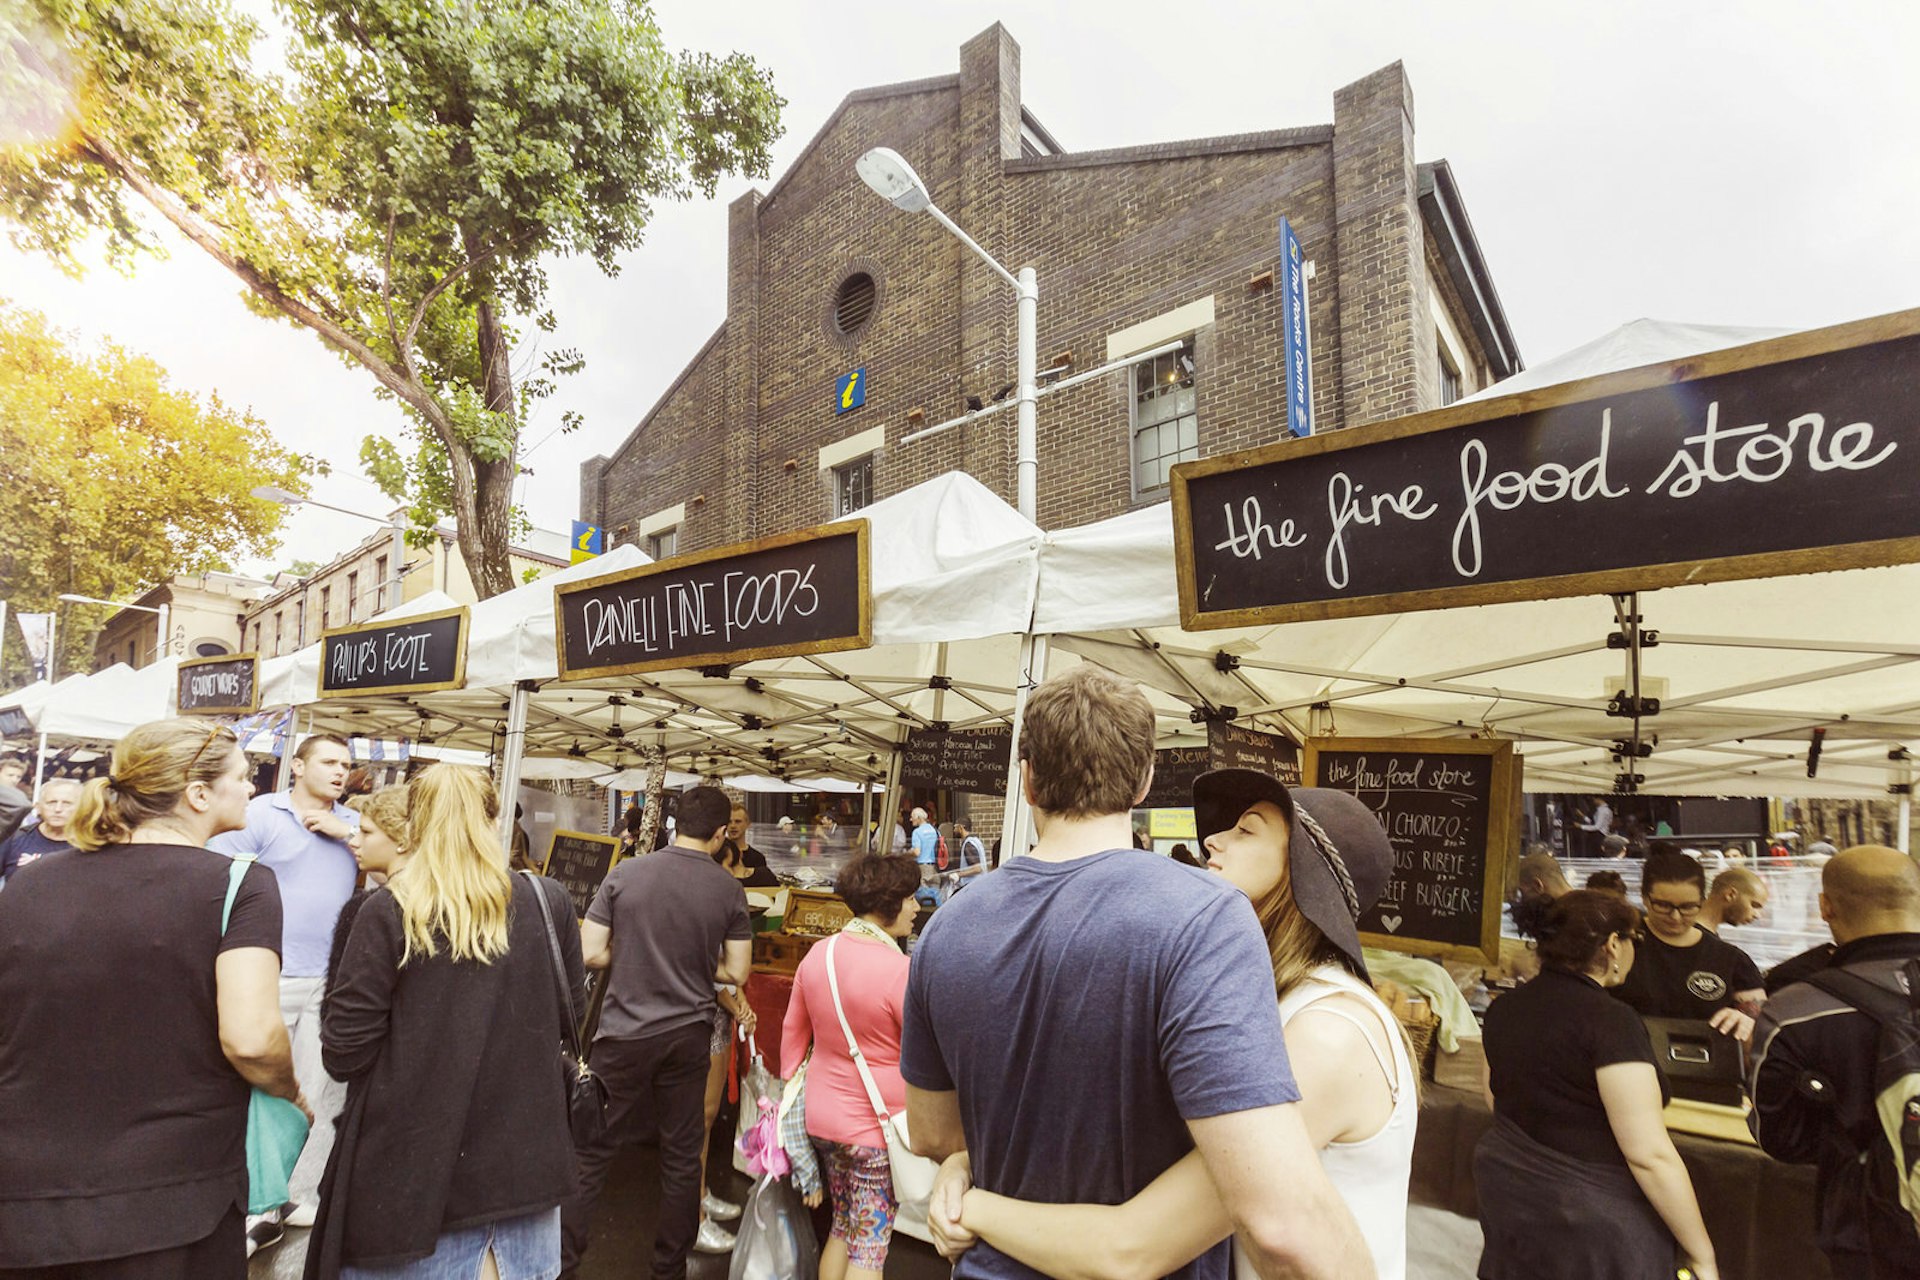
(892, 178)
(395, 522)
(160, 650)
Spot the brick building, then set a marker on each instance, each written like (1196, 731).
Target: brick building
(1134, 248)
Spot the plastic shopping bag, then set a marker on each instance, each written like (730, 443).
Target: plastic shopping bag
(774, 1238)
(756, 1083)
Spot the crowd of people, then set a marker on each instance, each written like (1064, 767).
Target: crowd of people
(1126, 1064)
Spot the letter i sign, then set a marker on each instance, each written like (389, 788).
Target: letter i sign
(851, 392)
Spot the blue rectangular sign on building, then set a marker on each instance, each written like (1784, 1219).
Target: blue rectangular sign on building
(1293, 321)
(588, 541)
(851, 391)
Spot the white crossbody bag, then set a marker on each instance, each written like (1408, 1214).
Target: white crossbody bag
(912, 1175)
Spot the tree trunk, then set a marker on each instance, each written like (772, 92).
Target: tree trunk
(485, 531)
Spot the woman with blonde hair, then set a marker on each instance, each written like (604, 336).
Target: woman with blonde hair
(445, 1020)
(132, 1024)
(1311, 860)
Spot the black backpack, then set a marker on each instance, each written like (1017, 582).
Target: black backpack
(1896, 1079)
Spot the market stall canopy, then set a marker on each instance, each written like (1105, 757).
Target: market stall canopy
(1744, 670)
(107, 705)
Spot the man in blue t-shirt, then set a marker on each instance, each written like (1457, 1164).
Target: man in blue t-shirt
(926, 847)
(54, 810)
(1091, 1013)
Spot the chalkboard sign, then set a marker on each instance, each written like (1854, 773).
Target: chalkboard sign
(1229, 746)
(407, 655)
(1451, 807)
(14, 723)
(1795, 455)
(779, 597)
(580, 862)
(960, 760)
(218, 686)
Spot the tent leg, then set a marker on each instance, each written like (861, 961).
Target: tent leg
(510, 752)
(882, 836)
(39, 767)
(1017, 822)
(1906, 820)
(866, 812)
(283, 771)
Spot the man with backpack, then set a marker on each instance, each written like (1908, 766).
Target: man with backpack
(1836, 1067)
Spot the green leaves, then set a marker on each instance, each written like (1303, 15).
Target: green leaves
(410, 163)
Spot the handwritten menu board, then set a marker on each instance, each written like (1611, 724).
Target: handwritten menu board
(1229, 746)
(219, 686)
(407, 655)
(794, 594)
(1451, 807)
(14, 723)
(1675, 473)
(580, 862)
(962, 760)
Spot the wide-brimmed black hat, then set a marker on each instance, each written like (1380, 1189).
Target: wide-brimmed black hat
(1338, 854)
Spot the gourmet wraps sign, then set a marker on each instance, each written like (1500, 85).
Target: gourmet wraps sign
(218, 686)
(783, 596)
(1794, 455)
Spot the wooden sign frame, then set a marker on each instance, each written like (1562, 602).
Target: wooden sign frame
(1503, 814)
(861, 529)
(553, 838)
(1815, 342)
(188, 664)
(459, 680)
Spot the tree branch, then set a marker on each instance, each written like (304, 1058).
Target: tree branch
(403, 353)
(407, 389)
(440, 286)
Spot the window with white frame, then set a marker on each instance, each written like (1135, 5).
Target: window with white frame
(852, 486)
(1166, 425)
(664, 544)
(1449, 376)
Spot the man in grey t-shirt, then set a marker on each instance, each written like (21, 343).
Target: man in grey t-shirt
(1089, 1014)
(666, 926)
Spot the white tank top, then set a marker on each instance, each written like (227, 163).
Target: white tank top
(1372, 1173)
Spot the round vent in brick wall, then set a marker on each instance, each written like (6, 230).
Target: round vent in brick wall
(853, 304)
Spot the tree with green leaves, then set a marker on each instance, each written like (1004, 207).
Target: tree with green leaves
(394, 184)
(111, 481)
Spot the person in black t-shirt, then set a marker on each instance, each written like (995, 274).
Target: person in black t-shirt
(1683, 971)
(1578, 1176)
(125, 1060)
(758, 875)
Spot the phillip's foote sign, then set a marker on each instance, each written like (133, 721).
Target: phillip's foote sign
(1789, 456)
(406, 655)
(219, 686)
(793, 594)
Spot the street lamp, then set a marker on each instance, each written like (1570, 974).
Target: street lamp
(161, 650)
(396, 522)
(891, 177)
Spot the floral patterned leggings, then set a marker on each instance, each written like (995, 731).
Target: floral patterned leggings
(860, 1183)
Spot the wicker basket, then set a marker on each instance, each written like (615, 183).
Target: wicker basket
(1421, 1036)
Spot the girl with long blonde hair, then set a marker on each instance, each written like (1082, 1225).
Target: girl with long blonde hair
(445, 1018)
(1310, 860)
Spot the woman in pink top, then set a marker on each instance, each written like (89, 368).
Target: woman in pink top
(871, 972)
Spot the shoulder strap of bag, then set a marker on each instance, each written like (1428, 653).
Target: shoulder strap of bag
(235, 874)
(1882, 1004)
(853, 1046)
(557, 965)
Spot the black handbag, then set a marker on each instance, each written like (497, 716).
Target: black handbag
(1700, 1064)
(586, 1092)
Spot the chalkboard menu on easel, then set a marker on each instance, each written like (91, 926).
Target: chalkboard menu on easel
(779, 597)
(420, 654)
(973, 760)
(1451, 807)
(580, 862)
(219, 686)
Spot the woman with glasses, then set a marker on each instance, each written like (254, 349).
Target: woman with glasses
(1684, 971)
(132, 1024)
(1578, 1178)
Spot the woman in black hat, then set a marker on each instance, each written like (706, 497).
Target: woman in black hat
(1311, 860)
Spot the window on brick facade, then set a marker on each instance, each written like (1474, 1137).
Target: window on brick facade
(256, 637)
(1449, 377)
(380, 578)
(852, 486)
(353, 597)
(279, 632)
(853, 304)
(326, 607)
(1166, 425)
(664, 544)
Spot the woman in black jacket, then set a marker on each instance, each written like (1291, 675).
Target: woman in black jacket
(445, 1020)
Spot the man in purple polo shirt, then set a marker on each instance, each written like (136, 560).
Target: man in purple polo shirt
(301, 835)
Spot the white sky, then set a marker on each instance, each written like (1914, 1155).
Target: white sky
(1726, 163)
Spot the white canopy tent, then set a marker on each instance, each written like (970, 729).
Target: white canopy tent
(1744, 670)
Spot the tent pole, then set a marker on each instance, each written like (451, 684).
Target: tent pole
(39, 767)
(1906, 809)
(882, 836)
(1017, 820)
(510, 752)
(866, 810)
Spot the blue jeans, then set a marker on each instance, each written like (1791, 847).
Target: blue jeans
(525, 1248)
